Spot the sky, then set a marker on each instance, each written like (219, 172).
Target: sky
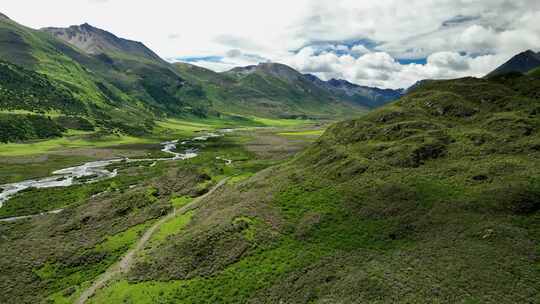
(383, 43)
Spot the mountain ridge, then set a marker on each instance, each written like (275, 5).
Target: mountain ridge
(522, 63)
(369, 97)
(93, 41)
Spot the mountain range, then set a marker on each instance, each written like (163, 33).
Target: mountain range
(424, 195)
(116, 83)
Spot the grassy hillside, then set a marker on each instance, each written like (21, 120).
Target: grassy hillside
(22, 89)
(435, 198)
(534, 73)
(45, 74)
(272, 90)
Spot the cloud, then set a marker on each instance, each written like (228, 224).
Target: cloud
(387, 43)
(458, 20)
(238, 54)
(448, 61)
(230, 59)
(237, 42)
(382, 70)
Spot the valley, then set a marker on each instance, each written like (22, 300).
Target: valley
(128, 178)
(156, 188)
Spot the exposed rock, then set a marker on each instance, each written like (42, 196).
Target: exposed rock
(96, 41)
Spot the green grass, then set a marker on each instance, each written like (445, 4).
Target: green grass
(34, 201)
(315, 133)
(234, 285)
(40, 147)
(122, 240)
(76, 278)
(274, 122)
(169, 129)
(172, 227)
(181, 201)
(535, 72)
(239, 178)
(15, 169)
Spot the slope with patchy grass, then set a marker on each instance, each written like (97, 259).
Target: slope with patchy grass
(434, 198)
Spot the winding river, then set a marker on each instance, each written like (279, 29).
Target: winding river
(96, 170)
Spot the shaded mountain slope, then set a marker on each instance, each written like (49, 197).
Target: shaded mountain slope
(366, 96)
(522, 63)
(434, 198)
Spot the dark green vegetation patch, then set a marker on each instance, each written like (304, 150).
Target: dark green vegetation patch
(24, 127)
(22, 89)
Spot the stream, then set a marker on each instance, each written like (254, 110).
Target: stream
(96, 170)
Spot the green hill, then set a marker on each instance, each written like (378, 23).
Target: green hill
(434, 198)
(22, 89)
(272, 89)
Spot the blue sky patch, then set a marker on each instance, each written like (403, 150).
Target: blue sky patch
(409, 61)
(201, 58)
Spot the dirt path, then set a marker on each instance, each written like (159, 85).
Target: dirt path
(16, 218)
(127, 260)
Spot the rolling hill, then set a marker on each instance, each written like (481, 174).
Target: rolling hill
(434, 198)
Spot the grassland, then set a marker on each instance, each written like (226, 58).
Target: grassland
(68, 142)
(39, 158)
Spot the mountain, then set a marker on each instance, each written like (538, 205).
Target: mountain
(118, 91)
(366, 96)
(272, 89)
(120, 82)
(134, 70)
(277, 70)
(279, 90)
(35, 63)
(522, 63)
(340, 89)
(95, 41)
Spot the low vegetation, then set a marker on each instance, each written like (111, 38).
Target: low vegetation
(56, 256)
(426, 200)
(26, 127)
(22, 89)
